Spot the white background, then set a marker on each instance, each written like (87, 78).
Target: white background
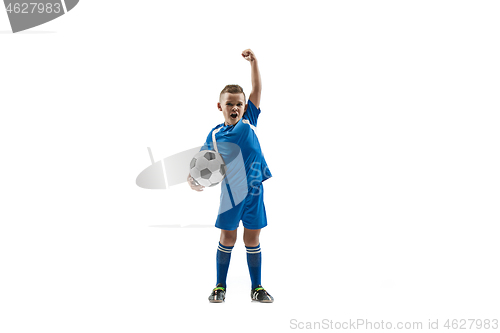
(379, 123)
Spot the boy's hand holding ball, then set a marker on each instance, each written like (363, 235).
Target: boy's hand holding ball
(194, 185)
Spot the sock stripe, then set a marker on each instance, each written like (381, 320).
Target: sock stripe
(225, 249)
(252, 250)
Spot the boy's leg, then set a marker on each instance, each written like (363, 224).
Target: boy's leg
(254, 259)
(254, 256)
(226, 244)
(228, 222)
(254, 219)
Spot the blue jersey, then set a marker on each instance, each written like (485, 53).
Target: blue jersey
(243, 136)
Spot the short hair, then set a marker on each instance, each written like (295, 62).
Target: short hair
(232, 89)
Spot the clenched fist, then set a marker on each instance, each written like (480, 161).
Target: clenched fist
(248, 55)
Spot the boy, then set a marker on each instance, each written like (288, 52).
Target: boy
(238, 130)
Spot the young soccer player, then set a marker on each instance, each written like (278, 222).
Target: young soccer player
(238, 130)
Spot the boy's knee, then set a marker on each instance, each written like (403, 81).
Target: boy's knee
(251, 240)
(228, 237)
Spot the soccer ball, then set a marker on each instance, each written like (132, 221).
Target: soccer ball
(207, 168)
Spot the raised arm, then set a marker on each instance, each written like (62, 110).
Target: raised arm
(256, 81)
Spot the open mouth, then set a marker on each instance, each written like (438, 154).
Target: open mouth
(234, 115)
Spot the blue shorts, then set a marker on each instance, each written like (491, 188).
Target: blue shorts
(250, 210)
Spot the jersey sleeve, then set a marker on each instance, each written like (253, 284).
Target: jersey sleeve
(208, 145)
(252, 113)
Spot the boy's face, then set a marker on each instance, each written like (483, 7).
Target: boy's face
(233, 107)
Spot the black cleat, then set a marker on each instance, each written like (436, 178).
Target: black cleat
(218, 294)
(259, 294)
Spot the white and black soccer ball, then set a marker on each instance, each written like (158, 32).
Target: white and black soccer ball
(207, 168)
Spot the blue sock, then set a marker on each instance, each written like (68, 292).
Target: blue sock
(254, 260)
(223, 257)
